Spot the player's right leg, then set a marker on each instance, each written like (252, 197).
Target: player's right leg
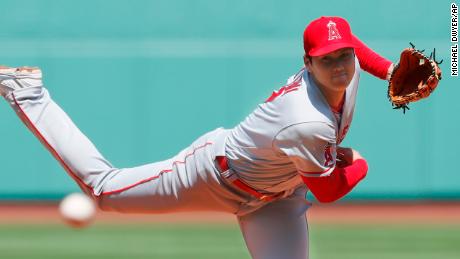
(278, 230)
(185, 182)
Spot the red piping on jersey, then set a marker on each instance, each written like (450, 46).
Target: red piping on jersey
(42, 139)
(138, 183)
(291, 90)
(284, 90)
(156, 176)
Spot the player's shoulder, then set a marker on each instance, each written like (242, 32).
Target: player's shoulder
(296, 77)
(295, 103)
(306, 104)
(293, 85)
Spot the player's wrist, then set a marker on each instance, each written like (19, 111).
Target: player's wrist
(390, 71)
(356, 156)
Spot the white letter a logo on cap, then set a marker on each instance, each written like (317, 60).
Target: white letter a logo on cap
(333, 32)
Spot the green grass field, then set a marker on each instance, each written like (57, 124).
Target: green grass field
(223, 241)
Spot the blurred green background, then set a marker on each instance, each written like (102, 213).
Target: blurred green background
(144, 78)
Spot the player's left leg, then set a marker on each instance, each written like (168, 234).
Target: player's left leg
(188, 181)
(278, 230)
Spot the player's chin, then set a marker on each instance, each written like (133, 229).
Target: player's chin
(340, 81)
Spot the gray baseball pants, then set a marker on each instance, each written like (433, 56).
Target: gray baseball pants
(189, 181)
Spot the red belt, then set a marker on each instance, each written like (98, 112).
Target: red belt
(222, 162)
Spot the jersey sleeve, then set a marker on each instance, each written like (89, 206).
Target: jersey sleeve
(370, 61)
(311, 146)
(339, 183)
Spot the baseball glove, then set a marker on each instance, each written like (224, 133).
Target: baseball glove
(413, 78)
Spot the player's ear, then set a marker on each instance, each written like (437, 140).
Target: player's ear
(307, 62)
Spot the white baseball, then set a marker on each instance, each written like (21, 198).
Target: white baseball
(77, 209)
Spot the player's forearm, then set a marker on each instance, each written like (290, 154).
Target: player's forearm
(372, 62)
(339, 183)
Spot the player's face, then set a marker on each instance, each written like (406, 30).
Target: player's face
(334, 70)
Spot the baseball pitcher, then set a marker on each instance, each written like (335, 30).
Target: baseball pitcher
(259, 170)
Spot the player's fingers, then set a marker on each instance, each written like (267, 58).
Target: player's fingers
(341, 163)
(345, 154)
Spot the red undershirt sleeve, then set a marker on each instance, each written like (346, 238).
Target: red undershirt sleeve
(370, 61)
(340, 182)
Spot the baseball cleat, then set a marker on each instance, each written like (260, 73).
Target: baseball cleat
(12, 79)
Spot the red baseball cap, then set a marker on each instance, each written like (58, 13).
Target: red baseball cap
(327, 34)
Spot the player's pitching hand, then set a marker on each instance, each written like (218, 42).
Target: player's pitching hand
(346, 156)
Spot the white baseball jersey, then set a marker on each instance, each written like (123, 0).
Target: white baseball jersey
(294, 131)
